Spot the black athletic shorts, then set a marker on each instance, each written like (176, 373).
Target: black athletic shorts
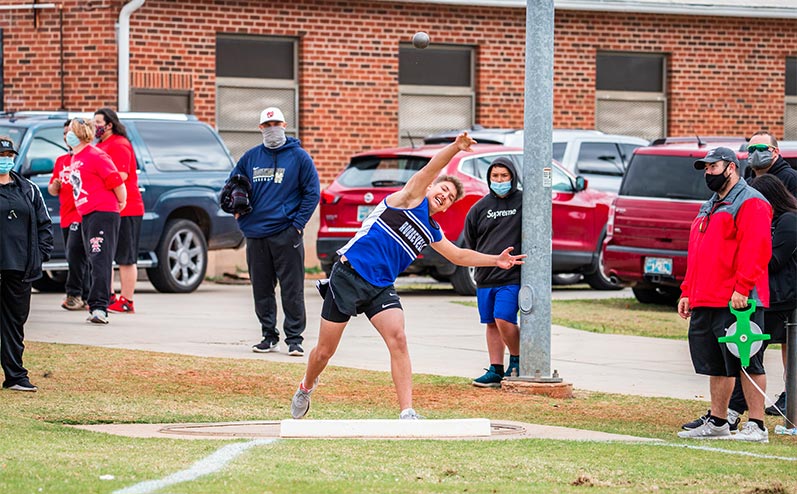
(127, 246)
(775, 325)
(348, 294)
(709, 356)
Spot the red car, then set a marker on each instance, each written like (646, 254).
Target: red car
(661, 193)
(579, 214)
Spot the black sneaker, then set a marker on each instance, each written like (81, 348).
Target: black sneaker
(697, 422)
(22, 386)
(778, 407)
(266, 346)
(295, 350)
(734, 419)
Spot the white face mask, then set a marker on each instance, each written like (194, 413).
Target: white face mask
(273, 137)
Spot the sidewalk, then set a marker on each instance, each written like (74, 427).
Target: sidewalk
(444, 338)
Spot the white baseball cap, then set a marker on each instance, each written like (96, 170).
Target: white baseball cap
(271, 114)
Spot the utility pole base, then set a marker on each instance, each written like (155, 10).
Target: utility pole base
(553, 390)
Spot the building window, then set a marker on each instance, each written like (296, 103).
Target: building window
(790, 118)
(162, 100)
(630, 94)
(252, 73)
(435, 82)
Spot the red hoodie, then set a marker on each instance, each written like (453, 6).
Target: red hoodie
(730, 244)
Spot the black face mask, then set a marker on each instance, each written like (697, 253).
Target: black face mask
(716, 182)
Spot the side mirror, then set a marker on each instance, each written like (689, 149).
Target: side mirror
(40, 166)
(581, 183)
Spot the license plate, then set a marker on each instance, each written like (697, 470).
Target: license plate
(363, 212)
(658, 265)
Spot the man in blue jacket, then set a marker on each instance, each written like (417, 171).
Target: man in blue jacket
(285, 192)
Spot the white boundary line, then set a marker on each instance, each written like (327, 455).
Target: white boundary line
(205, 466)
(728, 451)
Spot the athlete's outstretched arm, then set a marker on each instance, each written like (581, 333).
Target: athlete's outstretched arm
(416, 186)
(468, 257)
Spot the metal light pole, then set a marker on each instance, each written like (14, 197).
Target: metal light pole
(791, 369)
(535, 285)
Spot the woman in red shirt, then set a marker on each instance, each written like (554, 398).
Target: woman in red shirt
(100, 195)
(112, 138)
(77, 284)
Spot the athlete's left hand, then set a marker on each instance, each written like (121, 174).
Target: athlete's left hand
(506, 260)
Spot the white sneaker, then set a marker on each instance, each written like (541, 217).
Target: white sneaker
(751, 432)
(707, 431)
(409, 414)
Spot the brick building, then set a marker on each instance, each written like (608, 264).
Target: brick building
(349, 80)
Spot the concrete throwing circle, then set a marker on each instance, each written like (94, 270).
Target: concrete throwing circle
(499, 430)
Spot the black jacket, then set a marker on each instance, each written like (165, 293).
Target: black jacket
(780, 169)
(40, 229)
(492, 225)
(783, 264)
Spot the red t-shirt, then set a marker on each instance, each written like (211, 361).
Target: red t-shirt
(121, 152)
(62, 171)
(93, 179)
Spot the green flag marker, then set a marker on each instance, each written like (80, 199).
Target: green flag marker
(743, 337)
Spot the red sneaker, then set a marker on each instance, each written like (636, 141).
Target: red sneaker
(122, 305)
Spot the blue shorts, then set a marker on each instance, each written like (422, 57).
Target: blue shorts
(499, 302)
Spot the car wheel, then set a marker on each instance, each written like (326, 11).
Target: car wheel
(51, 282)
(182, 258)
(562, 279)
(658, 296)
(464, 280)
(439, 277)
(598, 280)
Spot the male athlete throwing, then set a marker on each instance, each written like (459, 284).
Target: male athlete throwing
(362, 279)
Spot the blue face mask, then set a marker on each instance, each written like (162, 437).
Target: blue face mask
(6, 164)
(72, 140)
(501, 188)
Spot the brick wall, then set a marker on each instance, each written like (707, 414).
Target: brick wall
(721, 80)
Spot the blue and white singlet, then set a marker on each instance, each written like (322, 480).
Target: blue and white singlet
(389, 240)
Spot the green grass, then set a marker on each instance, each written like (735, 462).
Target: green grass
(40, 453)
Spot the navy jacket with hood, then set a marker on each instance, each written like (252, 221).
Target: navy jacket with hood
(285, 188)
(492, 225)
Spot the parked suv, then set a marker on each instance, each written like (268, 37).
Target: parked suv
(600, 158)
(182, 166)
(648, 231)
(579, 213)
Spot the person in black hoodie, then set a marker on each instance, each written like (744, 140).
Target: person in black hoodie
(782, 267)
(764, 157)
(26, 240)
(491, 225)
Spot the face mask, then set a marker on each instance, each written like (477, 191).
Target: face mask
(72, 140)
(760, 159)
(99, 132)
(6, 164)
(716, 182)
(273, 137)
(501, 188)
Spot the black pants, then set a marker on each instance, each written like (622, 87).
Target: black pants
(100, 231)
(278, 258)
(14, 310)
(77, 278)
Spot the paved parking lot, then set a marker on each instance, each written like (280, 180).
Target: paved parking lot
(445, 338)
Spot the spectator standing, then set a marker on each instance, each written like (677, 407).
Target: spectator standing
(26, 240)
(112, 138)
(285, 192)
(729, 248)
(77, 287)
(763, 156)
(491, 225)
(782, 269)
(362, 279)
(100, 194)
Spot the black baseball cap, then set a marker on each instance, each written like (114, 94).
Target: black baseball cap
(7, 145)
(718, 154)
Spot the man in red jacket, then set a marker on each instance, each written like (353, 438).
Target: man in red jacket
(729, 248)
